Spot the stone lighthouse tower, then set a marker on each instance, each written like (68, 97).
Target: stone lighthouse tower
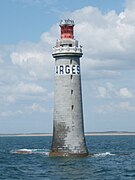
(68, 129)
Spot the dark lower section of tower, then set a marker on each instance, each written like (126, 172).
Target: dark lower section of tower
(66, 143)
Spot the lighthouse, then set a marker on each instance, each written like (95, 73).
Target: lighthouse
(68, 127)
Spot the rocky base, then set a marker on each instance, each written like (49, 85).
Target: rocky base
(66, 154)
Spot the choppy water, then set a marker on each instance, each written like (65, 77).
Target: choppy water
(113, 158)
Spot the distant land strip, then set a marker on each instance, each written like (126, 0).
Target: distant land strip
(108, 133)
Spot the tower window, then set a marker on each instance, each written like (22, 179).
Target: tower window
(71, 76)
(71, 91)
(72, 107)
(70, 61)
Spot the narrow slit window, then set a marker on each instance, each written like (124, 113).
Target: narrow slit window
(71, 91)
(70, 61)
(71, 76)
(72, 107)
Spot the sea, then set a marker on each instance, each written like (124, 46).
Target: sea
(110, 158)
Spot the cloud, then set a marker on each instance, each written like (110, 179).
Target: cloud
(130, 4)
(10, 113)
(10, 99)
(6, 113)
(1, 59)
(49, 38)
(108, 42)
(107, 38)
(102, 92)
(37, 107)
(115, 107)
(108, 45)
(29, 88)
(28, 59)
(106, 91)
(126, 106)
(33, 59)
(124, 92)
(109, 91)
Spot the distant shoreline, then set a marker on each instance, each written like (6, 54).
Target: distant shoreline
(86, 134)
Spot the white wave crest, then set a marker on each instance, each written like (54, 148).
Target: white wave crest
(103, 154)
(30, 151)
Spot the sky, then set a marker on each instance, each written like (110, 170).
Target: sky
(29, 30)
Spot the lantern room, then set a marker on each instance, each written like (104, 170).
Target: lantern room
(67, 31)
